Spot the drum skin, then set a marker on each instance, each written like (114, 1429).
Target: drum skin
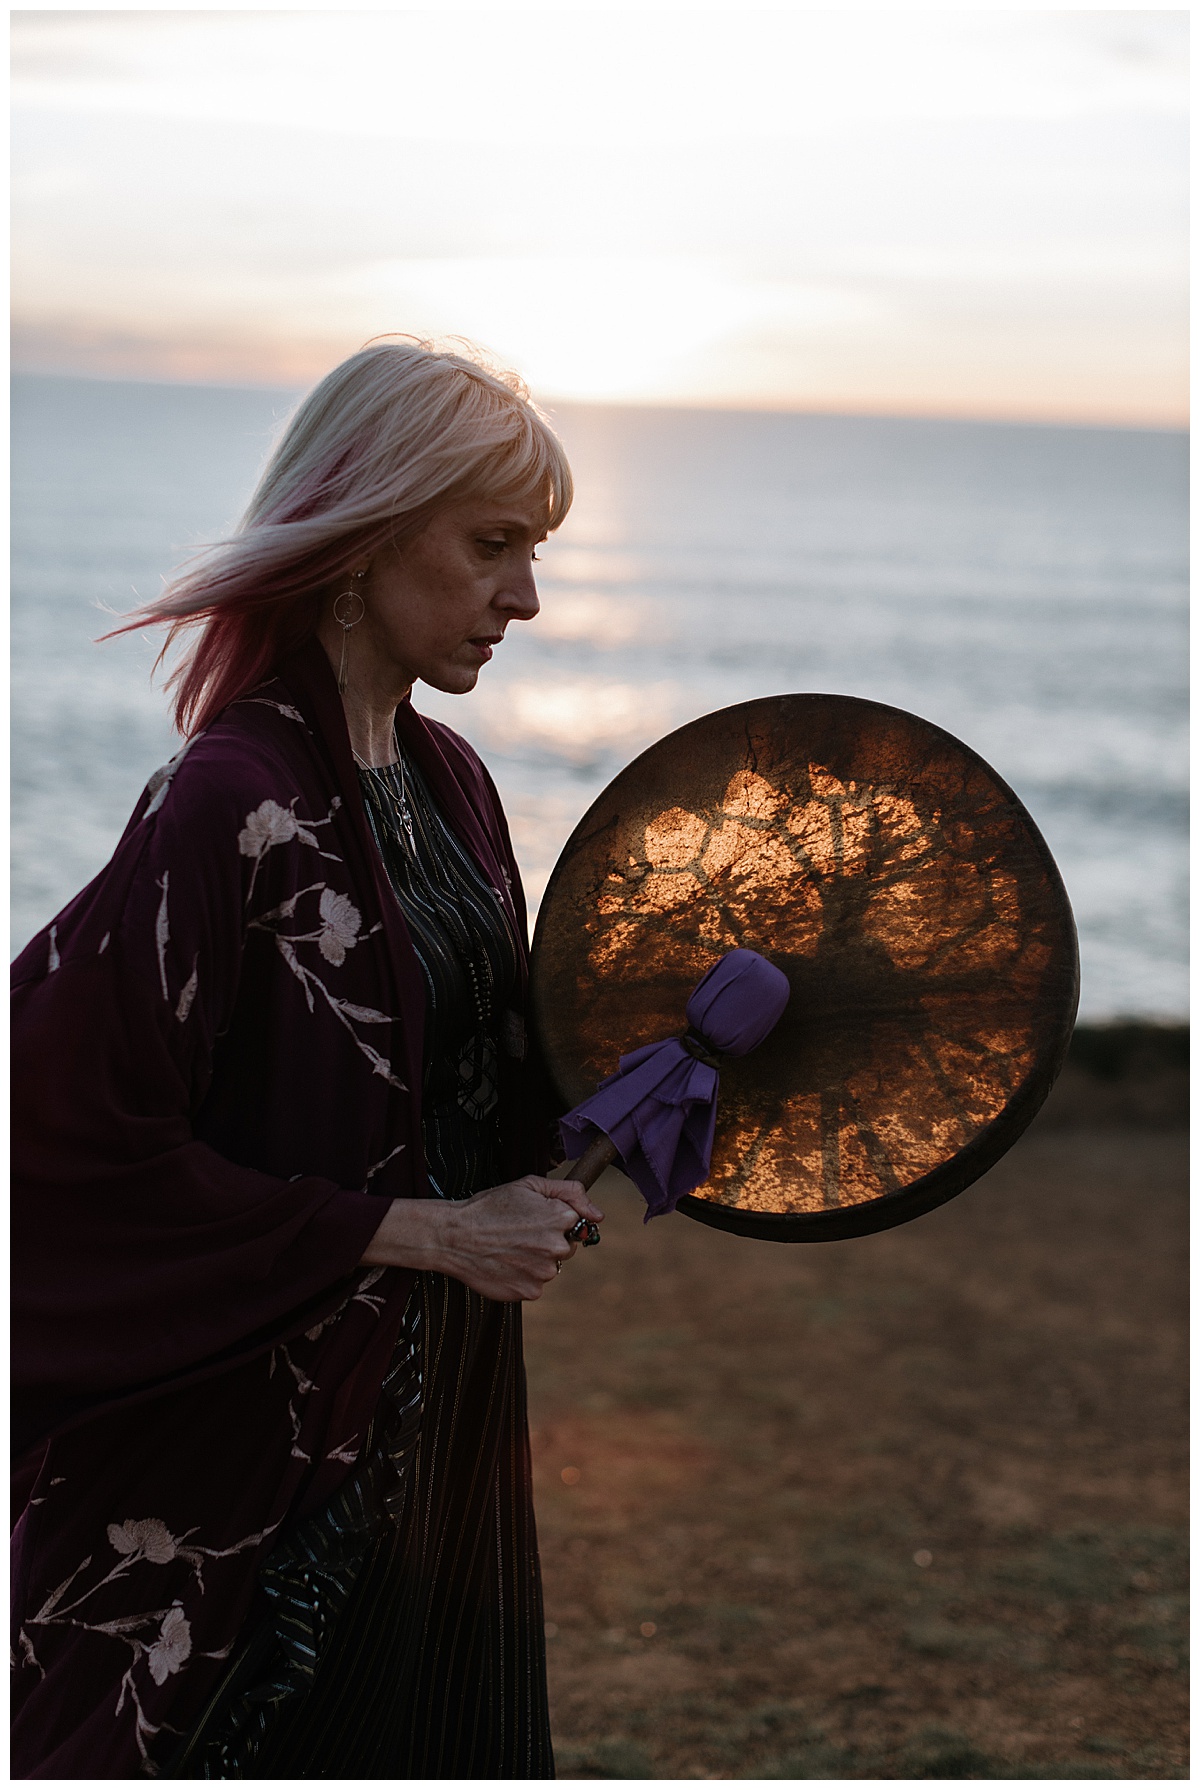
(910, 901)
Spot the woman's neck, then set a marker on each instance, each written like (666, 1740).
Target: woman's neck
(372, 729)
(370, 700)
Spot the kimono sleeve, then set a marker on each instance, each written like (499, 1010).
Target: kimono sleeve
(140, 1253)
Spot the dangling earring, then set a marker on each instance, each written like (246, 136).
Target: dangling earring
(347, 617)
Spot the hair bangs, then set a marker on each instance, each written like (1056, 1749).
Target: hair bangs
(529, 464)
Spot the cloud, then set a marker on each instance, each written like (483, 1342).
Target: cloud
(546, 78)
(764, 208)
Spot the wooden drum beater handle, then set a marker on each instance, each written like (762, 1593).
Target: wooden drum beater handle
(595, 1159)
(588, 1170)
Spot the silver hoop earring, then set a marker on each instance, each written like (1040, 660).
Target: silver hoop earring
(346, 617)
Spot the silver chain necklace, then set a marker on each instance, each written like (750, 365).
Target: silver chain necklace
(399, 798)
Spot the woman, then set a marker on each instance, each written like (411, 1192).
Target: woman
(273, 1094)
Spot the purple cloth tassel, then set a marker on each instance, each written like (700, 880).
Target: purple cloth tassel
(660, 1109)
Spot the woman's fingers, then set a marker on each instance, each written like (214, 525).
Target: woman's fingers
(572, 1193)
(512, 1240)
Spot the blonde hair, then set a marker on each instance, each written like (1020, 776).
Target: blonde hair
(369, 455)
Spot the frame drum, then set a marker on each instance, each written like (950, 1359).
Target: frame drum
(910, 901)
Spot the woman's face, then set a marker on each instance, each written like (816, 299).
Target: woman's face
(437, 606)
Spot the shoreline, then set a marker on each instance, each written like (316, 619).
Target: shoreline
(1123, 1073)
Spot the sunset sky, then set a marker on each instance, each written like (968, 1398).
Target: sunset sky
(946, 213)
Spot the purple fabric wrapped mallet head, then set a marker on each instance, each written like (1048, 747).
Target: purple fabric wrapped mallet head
(660, 1109)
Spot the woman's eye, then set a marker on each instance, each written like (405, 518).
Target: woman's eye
(493, 547)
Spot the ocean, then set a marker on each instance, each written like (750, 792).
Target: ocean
(1024, 587)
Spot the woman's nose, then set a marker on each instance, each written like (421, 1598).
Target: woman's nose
(520, 598)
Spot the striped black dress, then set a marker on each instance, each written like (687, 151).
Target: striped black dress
(398, 1633)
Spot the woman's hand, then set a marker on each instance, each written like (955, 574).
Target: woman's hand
(505, 1242)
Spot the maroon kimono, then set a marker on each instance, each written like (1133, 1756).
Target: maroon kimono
(217, 1053)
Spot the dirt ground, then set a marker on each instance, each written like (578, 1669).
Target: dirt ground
(907, 1506)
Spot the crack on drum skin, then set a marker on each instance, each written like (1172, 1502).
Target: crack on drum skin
(881, 1163)
(581, 844)
(948, 1091)
(831, 1112)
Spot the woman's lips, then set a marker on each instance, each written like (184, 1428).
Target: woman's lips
(484, 644)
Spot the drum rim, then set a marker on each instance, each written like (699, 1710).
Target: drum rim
(989, 1144)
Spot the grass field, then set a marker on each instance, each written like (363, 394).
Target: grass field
(908, 1506)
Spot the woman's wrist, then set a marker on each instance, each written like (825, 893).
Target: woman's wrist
(412, 1234)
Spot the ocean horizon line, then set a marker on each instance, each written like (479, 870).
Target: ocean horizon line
(644, 406)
